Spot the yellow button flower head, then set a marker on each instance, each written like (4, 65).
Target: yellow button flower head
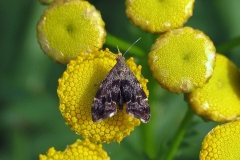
(80, 150)
(69, 27)
(157, 16)
(219, 99)
(182, 59)
(77, 89)
(222, 143)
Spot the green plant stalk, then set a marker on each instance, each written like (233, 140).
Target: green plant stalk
(179, 135)
(229, 45)
(147, 133)
(123, 45)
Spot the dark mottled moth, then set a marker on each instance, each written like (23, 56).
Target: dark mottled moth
(120, 86)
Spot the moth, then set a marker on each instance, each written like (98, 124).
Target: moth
(119, 87)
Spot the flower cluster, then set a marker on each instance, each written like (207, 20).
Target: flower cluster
(61, 34)
(218, 100)
(182, 60)
(78, 150)
(62, 28)
(222, 142)
(77, 89)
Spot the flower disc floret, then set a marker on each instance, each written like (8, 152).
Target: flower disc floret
(82, 150)
(157, 16)
(219, 99)
(69, 27)
(222, 143)
(77, 89)
(182, 59)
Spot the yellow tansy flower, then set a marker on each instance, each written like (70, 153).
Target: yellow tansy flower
(80, 150)
(69, 27)
(157, 16)
(76, 92)
(182, 59)
(222, 143)
(219, 99)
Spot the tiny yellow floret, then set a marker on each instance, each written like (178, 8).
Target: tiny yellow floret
(68, 28)
(77, 89)
(80, 150)
(222, 143)
(158, 16)
(182, 59)
(219, 99)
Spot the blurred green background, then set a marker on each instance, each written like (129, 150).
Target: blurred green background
(30, 121)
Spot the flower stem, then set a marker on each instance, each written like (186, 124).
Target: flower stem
(179, 135)
(229, 45)
(113, 41)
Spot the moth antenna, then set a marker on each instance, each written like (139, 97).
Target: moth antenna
(118, 50)
(129, 47)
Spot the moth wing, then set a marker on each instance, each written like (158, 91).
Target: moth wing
(135, 97)
(104, 103)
